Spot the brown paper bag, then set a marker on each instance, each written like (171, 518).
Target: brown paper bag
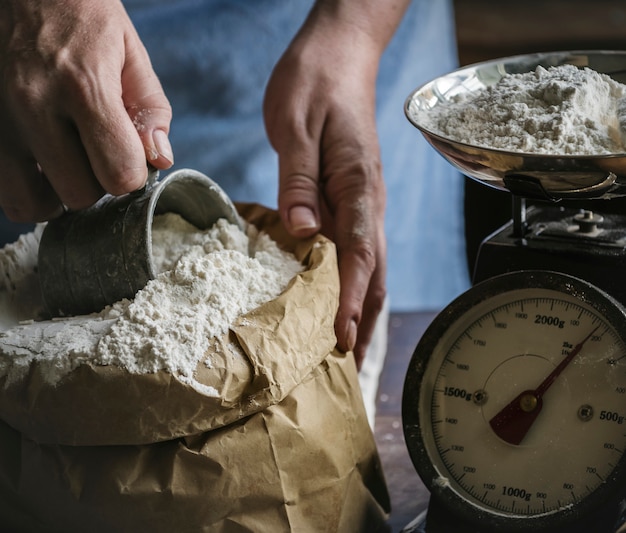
(285, 447)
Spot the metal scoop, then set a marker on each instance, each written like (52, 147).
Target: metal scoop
(95, 257)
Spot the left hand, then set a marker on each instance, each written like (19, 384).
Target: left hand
(320, 118)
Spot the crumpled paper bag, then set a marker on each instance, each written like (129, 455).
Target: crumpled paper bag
(285, 446)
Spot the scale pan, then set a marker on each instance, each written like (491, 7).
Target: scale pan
(531, 175)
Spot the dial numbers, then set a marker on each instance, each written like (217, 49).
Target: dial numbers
(561, 365)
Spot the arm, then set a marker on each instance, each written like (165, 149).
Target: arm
(81, 110)
(320, 118)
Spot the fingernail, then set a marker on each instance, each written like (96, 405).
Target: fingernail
(163, 146)
(351, 335)
(301, 217)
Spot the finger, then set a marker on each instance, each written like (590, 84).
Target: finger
(356, 253)
(296, 139)
(135, 126)
(63, 161)
(372, 306)
(147, 106)
(117, 125)
(358, 232)
(43, 130)
(111, 142)
(26, 195)
(86, 143)
(298, 201)
(299, 186)
(112, 148)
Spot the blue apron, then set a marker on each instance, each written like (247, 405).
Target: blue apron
(214, 58)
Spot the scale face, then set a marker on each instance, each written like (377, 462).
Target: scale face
(514, 404)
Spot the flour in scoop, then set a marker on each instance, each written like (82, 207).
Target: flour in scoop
(561, 110)
(206, 280)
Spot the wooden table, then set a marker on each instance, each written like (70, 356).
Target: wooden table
(408, 495)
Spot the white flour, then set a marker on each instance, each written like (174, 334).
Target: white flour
(207, 279)
(561, 110)
(20, 298)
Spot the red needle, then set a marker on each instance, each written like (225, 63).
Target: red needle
(513, 422)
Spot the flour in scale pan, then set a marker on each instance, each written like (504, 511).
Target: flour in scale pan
(560, 110)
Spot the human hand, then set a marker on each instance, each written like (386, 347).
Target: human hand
(81, 110)
(320, 118)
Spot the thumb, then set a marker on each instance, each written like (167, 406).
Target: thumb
(295, 137)
(298, 199)
(299, 190)
(147, 106)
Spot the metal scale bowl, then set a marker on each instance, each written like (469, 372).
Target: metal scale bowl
(514, 404)
(554, 233)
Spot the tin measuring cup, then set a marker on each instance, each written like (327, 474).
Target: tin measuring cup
(95, 257)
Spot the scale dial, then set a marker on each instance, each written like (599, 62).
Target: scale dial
(514, 404)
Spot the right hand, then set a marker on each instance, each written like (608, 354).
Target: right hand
(81, 110)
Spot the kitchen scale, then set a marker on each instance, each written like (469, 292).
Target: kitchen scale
(514, 402)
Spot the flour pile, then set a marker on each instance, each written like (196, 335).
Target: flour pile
(206, 280)
(561, 110)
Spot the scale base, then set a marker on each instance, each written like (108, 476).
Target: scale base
(550, 240)
(438, 520)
